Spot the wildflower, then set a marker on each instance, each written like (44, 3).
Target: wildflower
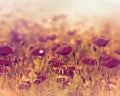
(117, 52)
(110, 61)
(55, 62)
(100, 42)
(64, 49)
(38, 52)
(5, 50)
(89, 61)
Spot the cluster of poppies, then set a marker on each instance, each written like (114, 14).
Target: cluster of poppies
(35, 59)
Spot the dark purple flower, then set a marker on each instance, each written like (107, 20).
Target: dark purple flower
(55, 47)
(100, 42)
(89, 61)
(71, 33)
(78, 42)
(55, 62)
(64, 49)
(52, 37)
(43, 38)
(15, 36)
(110, 61)
(117, 52)
(4, 62)
(38, 52)
(13, 33)
(72, 68)
(5, 50)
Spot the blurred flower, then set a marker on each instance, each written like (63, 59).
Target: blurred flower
(100, 42)
(4, 62)
(52, 37)
(38, 52)
(71, 33)
(43, 38)
(15, 36)
(78, 42)
(110, 61)
(5, 50)
(64, 49)
(89, 61)
(117, 52)
(55, 62)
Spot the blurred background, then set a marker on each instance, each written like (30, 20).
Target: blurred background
(37, 9)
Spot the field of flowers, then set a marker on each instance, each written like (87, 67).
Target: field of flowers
(58, 57)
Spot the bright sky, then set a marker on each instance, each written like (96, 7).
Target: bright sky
(42, 8)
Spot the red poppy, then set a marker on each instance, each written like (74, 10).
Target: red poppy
(55, 62)
(89, 61)
(52, 37)
(5, 50)
(117, 52)
(38, 52)
(100, 42)
(71, 33)
(64, 49)
(110, 61)
(4, 62)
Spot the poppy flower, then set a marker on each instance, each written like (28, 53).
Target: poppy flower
(15, 36)
(94, 49)
(24, 85)
(5, 50)
(117, 52)
(78, 41)
(43, 38)
(110, 62)
(100, 42)
(54, 48)
(52, 37)
(71, 33)
(64, 49)
(38, 52)
(89, 61)
(4, 62)
(55, 62)
(72, 68)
